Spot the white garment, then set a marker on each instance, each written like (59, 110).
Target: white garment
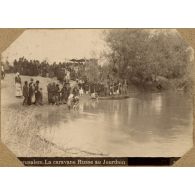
(18, 91)
(93, 95)
(70, 98)
(81, 92)
(33, 98)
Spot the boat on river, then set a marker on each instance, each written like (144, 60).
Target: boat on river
(112, 97)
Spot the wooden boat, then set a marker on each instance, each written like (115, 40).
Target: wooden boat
(113, 97)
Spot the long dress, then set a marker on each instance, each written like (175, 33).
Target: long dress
(18, 86)
(31, 97)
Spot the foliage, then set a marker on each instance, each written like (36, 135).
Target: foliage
(92, 70)
(142, 55)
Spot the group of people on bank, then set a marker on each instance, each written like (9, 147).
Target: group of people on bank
(57, 94)
(31, 91)
(64, 93)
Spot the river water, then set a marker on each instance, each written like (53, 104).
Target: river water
(146, 125)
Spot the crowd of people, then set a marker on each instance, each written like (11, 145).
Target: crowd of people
(31, 91)
(61, 92)
(57, 94)
(64, 93)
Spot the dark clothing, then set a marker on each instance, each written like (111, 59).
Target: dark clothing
(25, 90)
(49, 91)
(37, 94)
(18, 79)
(31, 93)
(75, 91)
(2, 74)
(31, 89)
(86, 87)
(52, 93)
(25, 94)
(57, 94)
(63, 94)
(115, 86)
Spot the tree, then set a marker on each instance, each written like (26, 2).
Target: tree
(145, 54)
(92, 70)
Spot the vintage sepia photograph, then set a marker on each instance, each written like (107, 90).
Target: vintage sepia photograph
(97, 93)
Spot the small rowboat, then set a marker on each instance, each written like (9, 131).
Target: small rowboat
(113, 97)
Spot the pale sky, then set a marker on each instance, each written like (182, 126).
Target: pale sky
(56, 45)
(61, 44)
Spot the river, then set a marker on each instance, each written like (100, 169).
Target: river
(146, 125)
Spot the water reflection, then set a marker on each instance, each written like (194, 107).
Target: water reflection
(153, 124)
(148, 124)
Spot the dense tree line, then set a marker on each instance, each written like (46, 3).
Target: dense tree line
(142, 56)
(44, 69)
